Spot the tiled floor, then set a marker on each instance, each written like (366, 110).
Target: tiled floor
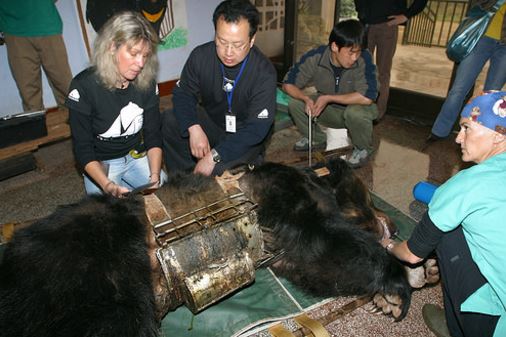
(398, 164)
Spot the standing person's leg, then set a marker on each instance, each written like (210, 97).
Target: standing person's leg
(461, 278)
(386, 44)
(372, 38)
(24, 62)
(467, 72)
(496, 75)
(56, 65)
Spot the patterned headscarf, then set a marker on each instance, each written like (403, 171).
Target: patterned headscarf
(488, 110)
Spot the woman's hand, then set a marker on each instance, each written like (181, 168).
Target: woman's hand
(115, 190)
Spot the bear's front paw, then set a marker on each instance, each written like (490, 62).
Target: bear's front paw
(390, 305)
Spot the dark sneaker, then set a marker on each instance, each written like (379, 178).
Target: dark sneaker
(434, 318)
(303, 145)
(357, 158)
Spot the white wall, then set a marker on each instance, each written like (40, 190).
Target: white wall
(200, 30)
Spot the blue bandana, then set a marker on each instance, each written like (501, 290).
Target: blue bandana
(488, 110)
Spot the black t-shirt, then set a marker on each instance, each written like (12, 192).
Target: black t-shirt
(107, 124)
(253, 101)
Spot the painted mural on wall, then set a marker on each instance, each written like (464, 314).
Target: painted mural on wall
(168, 18)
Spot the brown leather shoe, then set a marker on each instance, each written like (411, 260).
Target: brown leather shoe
(434, 318)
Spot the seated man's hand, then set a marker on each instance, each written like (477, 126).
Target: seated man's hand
(205, 165)
(199, 144)
(309, 106)
(320, 105)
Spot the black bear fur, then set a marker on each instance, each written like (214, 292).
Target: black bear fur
(82, 271)
(316, 222)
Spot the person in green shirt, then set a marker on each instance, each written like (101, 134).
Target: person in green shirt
(465, 225)
(33, 36)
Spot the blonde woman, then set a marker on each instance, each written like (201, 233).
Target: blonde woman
(114, 109)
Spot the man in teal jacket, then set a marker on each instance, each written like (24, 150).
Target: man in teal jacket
(33, 36)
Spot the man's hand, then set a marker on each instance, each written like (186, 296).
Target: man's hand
(320, 105)
(199, 144)
(309, 106)
(395, 20)
(205, 165)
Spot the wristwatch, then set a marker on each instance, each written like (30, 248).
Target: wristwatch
(216, 156)
(390, 246)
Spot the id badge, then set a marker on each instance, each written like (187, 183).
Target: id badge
(230, 123)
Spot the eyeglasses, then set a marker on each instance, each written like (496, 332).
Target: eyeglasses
(234, 46)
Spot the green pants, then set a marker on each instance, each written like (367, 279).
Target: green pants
(356, 118)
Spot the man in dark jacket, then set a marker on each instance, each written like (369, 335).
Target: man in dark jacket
(225, 101)
(382, 18)
(344, 77)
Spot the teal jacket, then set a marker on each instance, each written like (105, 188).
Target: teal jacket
(475, 199)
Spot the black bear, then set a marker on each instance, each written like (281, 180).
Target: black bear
(328, 231)
(82, 271)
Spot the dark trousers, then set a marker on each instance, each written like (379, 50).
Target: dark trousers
(176, 149)
(461, 277)
(382, 42)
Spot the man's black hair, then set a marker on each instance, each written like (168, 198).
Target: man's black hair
(234, 10)
(348, 33)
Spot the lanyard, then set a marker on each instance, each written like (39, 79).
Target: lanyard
(231, 92)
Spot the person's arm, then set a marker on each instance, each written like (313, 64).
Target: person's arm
(424, 239)
(343, 99)
(82, 140)
(402, 252)
(416, 7)
(364, 83)
(296, 93)
(97, 172)
(299, 76)
(186, 92)
(199, 143)
(185, 100)
(205, 165)
(155, 164)
(152, 133)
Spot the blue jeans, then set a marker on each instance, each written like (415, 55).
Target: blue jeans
(124, 171)
(467, 72)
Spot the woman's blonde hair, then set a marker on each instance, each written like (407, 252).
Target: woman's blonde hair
(128, 28)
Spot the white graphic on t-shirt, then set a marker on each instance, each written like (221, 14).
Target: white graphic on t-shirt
(129, 122)
(263, 114)
(74, 95)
